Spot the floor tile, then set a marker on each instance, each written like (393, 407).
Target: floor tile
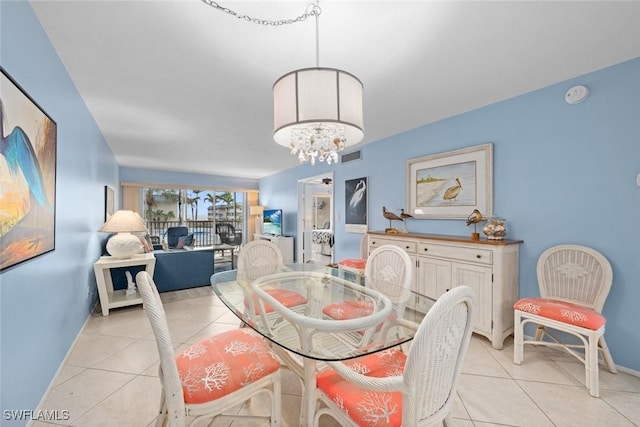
(628, 404)
(499, 401)
(111, 377)
(133, 359)
(140, 397)
(84, 391)
(92, 348)
(566, 405)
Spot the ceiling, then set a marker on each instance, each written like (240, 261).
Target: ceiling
(182, 86)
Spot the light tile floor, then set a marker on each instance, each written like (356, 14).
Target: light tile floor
(110, 377)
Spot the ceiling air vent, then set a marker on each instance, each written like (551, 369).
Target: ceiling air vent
(356, 155)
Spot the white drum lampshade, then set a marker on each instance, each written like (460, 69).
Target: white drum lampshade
(124, 244)
(317, 112)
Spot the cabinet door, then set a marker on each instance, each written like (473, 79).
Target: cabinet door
(434, 277)
(479, 279)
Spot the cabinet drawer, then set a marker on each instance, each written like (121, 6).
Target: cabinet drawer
(408, 246)
(480, 256)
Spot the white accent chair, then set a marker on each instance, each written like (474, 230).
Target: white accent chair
(391, 388)
(212, 376)
(388, 270)
(574, 283)
(259, 258)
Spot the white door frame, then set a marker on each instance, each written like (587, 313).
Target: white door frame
(305, 214)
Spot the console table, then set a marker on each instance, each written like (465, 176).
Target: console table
(284, 243)
(490, 267)
(113, 299)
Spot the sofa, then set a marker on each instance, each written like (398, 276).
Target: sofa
(175, 269)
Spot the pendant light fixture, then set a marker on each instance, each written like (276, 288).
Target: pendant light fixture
(317, 111)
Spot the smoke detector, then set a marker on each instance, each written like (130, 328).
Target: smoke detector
(576, 94)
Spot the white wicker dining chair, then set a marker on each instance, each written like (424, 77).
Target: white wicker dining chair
(391, 388)
(260, 258)
(574, 283)
(388, 270)
(212, 376)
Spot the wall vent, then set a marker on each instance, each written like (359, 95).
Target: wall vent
(349, 157)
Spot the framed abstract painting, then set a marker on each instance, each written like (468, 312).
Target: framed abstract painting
(28, 175)
(451, 184)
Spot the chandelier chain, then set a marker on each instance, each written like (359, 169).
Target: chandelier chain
(312, 10)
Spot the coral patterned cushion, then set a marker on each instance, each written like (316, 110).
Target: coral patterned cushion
(367, 407)
(354, 263)
(562, 311)
(348, 309)
(287, 297)
(223, 363)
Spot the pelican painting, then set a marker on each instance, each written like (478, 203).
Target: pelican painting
(356, 204)
(452, 192)
(27, 176)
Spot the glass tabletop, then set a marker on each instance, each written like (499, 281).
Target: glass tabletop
(319, 312)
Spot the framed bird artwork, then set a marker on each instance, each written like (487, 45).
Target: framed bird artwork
(355, 191)
(28, 174)
(452, 184)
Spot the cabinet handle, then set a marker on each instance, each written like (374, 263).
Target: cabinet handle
(425, 249)
(478, 256)
(406, 247)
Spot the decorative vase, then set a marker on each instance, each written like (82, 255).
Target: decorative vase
(495, 228)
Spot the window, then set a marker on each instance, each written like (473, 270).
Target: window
(199, 210)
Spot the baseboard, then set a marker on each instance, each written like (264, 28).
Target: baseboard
(58, 371)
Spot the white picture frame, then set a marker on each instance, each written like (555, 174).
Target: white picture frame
(451, 185)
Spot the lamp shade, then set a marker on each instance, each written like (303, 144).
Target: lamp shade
(124, 221)
(124, 244)
(314, 104)
(256, 210)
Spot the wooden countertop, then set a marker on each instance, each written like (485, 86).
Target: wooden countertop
(447, 238)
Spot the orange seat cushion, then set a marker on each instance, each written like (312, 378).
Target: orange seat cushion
(224, 363)
(351, 309)
(356, 263)
(562, 311)
(367, 407)
(287, 297)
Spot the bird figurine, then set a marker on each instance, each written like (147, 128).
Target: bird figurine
(404, 217)
(452, 192)
(474, 218)
(391, 217)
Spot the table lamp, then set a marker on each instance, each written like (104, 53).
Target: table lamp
(124, 244)
(257, 211)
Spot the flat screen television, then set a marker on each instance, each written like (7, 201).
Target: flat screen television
(272, 222)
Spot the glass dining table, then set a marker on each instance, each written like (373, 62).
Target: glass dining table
(314, 314)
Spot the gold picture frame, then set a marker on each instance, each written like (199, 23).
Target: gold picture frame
(451, 185)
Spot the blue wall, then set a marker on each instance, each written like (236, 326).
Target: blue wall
(562, 174)
(44, 302)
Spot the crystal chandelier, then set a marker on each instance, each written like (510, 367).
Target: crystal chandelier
(317, 111)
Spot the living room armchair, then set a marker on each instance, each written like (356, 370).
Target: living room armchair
(228, 234)
(174, 234)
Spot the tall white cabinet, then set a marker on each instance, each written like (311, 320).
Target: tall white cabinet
(284, 243)
(441, 262)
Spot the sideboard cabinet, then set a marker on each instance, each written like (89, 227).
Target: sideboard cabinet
(441, 262)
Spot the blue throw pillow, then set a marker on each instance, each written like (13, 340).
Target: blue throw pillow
(185, 241)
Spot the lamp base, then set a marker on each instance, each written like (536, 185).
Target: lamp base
(124, 245)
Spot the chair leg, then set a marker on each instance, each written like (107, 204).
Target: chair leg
(539, 332)
(518, 343)
(606, 355)
(591, 366)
